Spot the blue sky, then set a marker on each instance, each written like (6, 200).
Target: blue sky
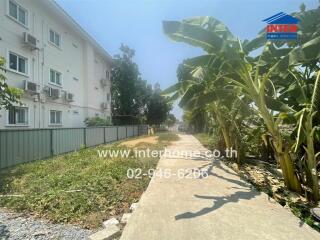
(137, 23)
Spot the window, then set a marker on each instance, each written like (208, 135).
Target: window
(18, 116)
(18, 63)
(55, 117)
(108, 96)
(55, 77)
(18, 13)
(54, 38)
(107, 74)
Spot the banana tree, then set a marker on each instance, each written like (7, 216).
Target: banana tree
(262, 78)
(305, 136)
(207, 91)
(217, 40)
(196, 93)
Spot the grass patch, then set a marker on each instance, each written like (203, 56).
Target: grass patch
(79, 188)
(167, 137)
(206, 140)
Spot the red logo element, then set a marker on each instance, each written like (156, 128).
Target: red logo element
(281, 28)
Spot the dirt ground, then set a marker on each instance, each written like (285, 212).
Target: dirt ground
(133, 143)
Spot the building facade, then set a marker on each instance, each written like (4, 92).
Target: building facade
(65, 73)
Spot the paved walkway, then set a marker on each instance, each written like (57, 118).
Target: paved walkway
(219, 207)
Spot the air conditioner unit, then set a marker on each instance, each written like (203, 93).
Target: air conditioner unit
(104, 82)
(42, 98)
(54, 93)
(30, 40)
(30, 86)
(69, 97)
(104, 105)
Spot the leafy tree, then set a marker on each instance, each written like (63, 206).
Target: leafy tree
(130, 93)
(158, 108)
(8, 95)
(134, 100)
(171, 120)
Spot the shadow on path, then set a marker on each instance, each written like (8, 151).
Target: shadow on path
(216, 164)
(218, 201)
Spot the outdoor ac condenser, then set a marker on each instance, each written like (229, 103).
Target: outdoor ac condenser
(69, 97)
(30, 40)
(54, 93)
(30, 86)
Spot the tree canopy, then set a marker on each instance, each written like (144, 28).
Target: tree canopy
(240, 95)
(157, 108)
(133, 99)
(9, 96)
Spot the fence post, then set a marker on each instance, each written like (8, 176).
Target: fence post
(104, 135)
(117, 133)
(0, 152)
(126, 131)
(51, 143)
(85, 137)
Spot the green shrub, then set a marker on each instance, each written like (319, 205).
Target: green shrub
(97, 121)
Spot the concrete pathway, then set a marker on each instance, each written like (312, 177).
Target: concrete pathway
(218, 207)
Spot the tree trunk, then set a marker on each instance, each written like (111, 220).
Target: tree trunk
(224, 130)
(290, 177)
(223, 126)
(281, 152)
(311, 170)
(239, 150)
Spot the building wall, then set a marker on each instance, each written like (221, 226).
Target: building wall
(81, 64)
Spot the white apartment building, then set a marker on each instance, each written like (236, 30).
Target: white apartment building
(65, 73)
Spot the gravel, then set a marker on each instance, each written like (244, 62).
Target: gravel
(17, 227)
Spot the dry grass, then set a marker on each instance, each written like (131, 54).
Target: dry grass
(139, 141)
(79, 188)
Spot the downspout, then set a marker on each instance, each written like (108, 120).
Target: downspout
(35, 104)
(34, 116)
(40, 87)
(42, 75)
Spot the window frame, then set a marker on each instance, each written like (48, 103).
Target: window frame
(54, 83)
(17, 70)
(26, 24)
(55, 117)
(55, 33)
(27, 116)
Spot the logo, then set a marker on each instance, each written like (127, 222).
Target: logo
(281, 27)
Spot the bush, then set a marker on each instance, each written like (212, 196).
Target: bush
(97, 121)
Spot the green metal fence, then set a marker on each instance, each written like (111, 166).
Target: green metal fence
(25, 145)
